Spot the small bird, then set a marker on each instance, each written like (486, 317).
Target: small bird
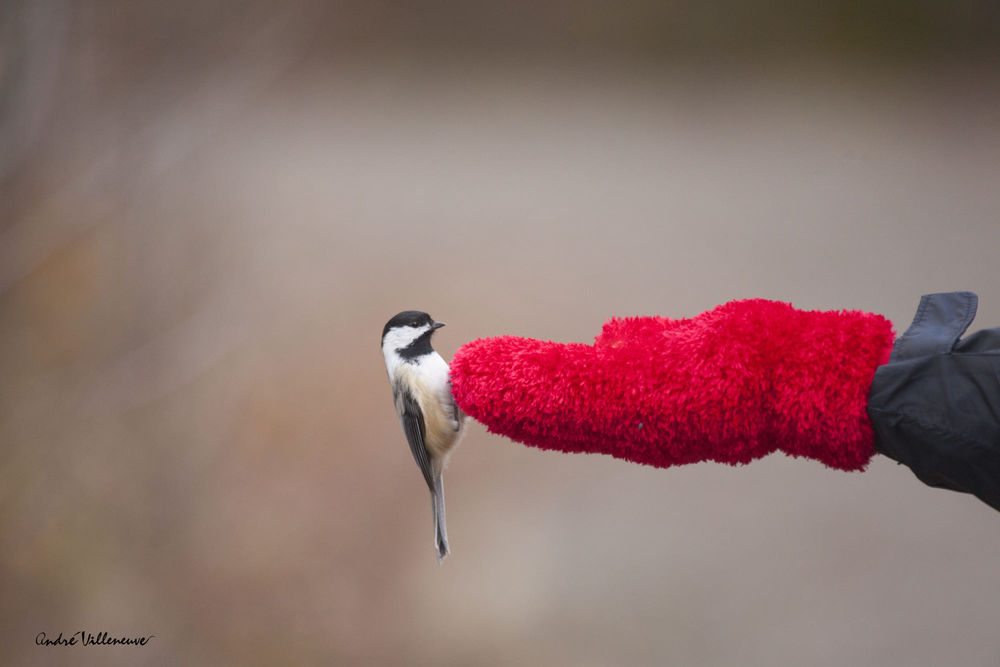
(421, 390)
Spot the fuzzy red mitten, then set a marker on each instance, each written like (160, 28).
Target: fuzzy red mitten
(730, 385)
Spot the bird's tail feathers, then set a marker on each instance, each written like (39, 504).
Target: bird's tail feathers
(440, 530)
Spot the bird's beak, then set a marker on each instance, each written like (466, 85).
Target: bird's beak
(437, 325)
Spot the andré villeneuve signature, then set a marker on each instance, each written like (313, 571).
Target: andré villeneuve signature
(84, 638)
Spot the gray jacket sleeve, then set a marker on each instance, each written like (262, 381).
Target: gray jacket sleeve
(935, 406)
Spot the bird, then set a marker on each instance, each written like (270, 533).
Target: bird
(421, 391)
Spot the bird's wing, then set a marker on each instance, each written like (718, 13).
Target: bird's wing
(456, 412)
(412, 420)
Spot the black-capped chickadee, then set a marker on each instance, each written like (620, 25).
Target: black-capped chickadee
(421, 389)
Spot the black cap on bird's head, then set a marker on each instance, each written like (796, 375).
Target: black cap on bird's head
(411, 318)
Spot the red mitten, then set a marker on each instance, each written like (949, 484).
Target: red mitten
(732, 384)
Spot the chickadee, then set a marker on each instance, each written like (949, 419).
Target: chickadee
(421, 389)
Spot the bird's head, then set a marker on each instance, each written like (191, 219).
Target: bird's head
(407, 330)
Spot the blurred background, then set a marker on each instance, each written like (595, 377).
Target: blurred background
(210, 210)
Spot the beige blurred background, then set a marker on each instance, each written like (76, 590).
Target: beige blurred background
(209, 212)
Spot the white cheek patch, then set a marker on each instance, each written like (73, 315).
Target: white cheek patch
(401, 337)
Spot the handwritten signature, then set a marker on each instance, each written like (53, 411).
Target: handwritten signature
(84, 638)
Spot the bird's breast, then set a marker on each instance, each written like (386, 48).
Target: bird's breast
(437, 404)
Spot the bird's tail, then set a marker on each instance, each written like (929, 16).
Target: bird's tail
(440, 531)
